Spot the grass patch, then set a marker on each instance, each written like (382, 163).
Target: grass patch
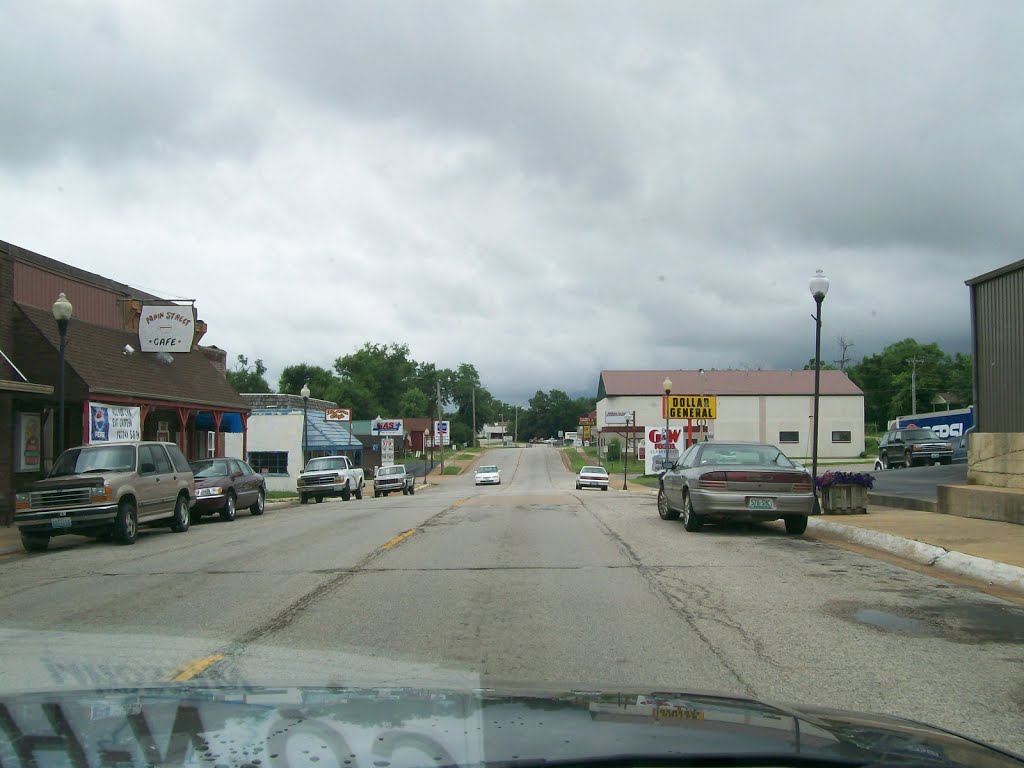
(633, 467)
(465, 457)
(282, 495)
(452, 470)
(576, 460)
(651, 481)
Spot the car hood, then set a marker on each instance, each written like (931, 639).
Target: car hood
(207, 482)
(264, 727)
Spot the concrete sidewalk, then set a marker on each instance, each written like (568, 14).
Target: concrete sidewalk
(985, 550)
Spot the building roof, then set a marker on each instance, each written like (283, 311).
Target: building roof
(326, 435)
(96, 355)
(626, 383)
(998, 272)
(52, 265)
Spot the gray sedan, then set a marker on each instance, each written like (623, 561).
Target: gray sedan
(736, 481)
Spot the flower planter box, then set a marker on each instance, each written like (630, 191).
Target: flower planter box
(844, 500)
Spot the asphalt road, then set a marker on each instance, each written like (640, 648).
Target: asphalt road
(529, 584)
(919, 482)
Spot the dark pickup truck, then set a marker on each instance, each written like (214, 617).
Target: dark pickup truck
(907, 447)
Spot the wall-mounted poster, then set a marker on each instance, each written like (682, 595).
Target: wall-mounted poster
(29, 442)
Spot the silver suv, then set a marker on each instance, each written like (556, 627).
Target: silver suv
(107, 491)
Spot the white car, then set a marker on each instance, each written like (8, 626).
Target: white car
(487, 475)
(592, 477)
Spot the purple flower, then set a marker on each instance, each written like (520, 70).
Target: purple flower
(829, 479)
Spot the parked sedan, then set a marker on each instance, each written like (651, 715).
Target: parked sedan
(592, 477)
(487, 475)
(224, 485)
(736, 481)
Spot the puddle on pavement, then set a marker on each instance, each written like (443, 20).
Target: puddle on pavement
(889, 621)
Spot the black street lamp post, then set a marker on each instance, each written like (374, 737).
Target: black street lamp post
(819, 287)
(667, 386)
(62, 314)
(305, 423)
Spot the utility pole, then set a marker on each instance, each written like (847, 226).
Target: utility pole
(913, 385)
(515, 434)
(438, 436)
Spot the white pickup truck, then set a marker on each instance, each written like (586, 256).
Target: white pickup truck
(330, 476)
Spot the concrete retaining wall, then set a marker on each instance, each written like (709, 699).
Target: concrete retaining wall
(982, 502)
(996, 459)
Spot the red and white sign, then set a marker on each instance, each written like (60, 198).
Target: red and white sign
(388, 427)
(655, 448)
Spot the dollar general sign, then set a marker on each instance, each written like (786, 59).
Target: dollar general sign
(689, 407)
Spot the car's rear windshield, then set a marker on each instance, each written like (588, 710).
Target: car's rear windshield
(747, 455)
(594, 471)
(318, 465)
(390, 471)
(210, 468)
(487, 469)
(95, 459)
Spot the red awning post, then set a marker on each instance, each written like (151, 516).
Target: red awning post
(183, 414)
(245, 436)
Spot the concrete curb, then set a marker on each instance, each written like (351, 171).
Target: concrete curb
(1001, 574)
(902, 502)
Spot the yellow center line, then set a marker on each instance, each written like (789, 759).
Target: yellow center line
(194, 667)
(399, 538)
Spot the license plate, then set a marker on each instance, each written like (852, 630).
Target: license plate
(61, 522)
(757, 503)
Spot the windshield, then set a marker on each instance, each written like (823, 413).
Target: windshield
(631, 296)
(210, 469)
(318, 465)
(107, 458)
(750, 455)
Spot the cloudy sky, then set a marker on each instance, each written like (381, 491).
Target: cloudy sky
(543, 189)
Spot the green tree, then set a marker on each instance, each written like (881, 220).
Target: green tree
(824, 366)
(413, 404)
(248, 378)
(322, 383)
(375, 377)
(887, 379)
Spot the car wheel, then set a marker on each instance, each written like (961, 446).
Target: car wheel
(884, 459)
(321, 498)
(579, 487)
(412, 489)
(346, 494)
(303, 498)
(181, 516)
(604, 487)
(908, 459)
(261, 502)
(126, 527)
(376, 494)
(663, 509)
(35, 542)
(359, 491)
(691, 520)
(795, 524)
(228, 513)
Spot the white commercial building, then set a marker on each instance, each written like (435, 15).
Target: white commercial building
(774, 407)
(278, 436)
